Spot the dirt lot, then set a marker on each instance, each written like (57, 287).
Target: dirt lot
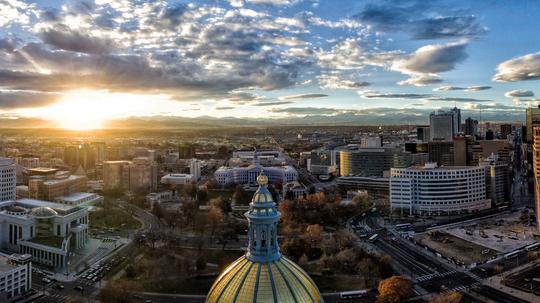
(455, 247)
(502, 233)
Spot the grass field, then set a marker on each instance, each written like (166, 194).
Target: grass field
(113, 218)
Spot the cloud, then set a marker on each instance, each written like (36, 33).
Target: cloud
(467, 89)
(70, 40)
(522, 68)
(426, 62)
(519, 93)
(15, 12)
(303, 96)
(377, 95)
(224, 107)
(454, 99)
(305, 111)
(272, 103)
(420, 20)
(335, 82)
(272, 2)
(17, 99)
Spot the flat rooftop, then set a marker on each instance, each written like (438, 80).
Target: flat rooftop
(42, 170)
(74, 197)
(32, 203)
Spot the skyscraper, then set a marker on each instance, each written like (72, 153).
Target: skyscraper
(535, 134)
(456, 122)
(8, 179)
(471, 127)
(532, 119)
(441, 126)
(506, 129)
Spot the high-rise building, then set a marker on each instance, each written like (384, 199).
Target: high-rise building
(16, 276)
(195, 169)
(371, 141)
(536, 170)
(532, 117)
(372, 162)
(471, 127)
(506, 129)
(8, 180)
(456, 121)
(114, 174)
(497, 180)
(441, 126)
(490, 135)
(432, 190)
(137, 175)
(100, 151)
(422, 133)
(441, 152)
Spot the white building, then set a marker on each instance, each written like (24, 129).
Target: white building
(433, 190)
(195, 169)
(15, 276)
(8, 179)
(177, 179)
(264, 157)
(248, 175)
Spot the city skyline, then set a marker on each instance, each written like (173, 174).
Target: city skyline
(82, 63)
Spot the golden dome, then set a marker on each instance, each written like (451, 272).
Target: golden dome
(279, 281)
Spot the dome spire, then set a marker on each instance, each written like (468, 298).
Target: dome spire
(263, 217)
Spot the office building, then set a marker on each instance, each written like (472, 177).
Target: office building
(444, 125)
(29, 162)
(140, 174)
(532, 119)
(506, 130)
(177, 179)
(15, 276)
(8, 179)
(248, 175)
(433, 190)
(371, 162)
(441, 152)
(490, 135)
(497, 180)
(422, 133)
(471, 127)
(377, 187)
(49, 187)
(195, 169)
(535, 134)
(371, 141)
(321, 162)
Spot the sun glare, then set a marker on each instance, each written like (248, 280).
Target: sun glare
(89, 110)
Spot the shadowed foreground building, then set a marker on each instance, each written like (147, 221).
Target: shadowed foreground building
(263, 274)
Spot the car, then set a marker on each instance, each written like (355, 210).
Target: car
(46, 280)
(60, 286)
(79, 288)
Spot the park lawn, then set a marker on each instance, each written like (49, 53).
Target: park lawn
(113, 218)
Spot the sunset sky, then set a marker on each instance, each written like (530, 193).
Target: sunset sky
(80, 63)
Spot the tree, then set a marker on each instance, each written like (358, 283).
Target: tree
(385, 266)
(394, 290)
(115, 292)
(451, 297)
(157, 210)
(361, 201)
(314, 234)
(215, 217)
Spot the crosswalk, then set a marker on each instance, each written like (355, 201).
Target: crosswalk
(435, 276)
(461, 288)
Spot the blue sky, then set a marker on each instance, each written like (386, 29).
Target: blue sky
(269, 58)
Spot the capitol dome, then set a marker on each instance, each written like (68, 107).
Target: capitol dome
(43, 212)
(263, 274)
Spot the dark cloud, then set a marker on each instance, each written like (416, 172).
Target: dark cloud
(432, 59)
(224, 107)
(526, 67)
(371, 95)
(468, 89)
(305, 111)
(69, 40)
(303, 96)
(454, 99)
(272, 103)
(420, 20)
(519, 93)
(12, 100)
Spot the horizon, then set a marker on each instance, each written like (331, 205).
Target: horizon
(86, 65)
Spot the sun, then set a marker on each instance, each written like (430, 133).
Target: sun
(78, 111)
